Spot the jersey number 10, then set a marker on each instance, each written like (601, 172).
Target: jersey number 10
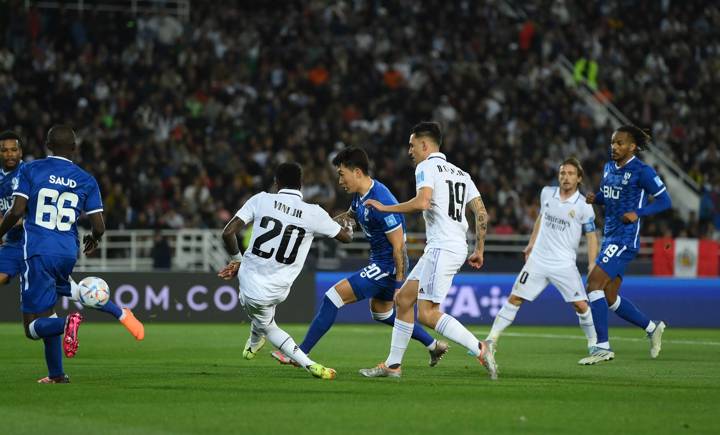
(276, 227)
(456, 202)
(59, 212)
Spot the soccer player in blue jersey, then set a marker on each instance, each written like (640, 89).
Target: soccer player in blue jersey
(388, 258)
(50, 194)
(627, 182)
(11, 251)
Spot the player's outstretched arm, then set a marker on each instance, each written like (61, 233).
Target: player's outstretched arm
(229, 236)
(420, 202)
(533, 237)
(91, 241)
(399, 250)
(477, 206)
(345, 219)
(345, 235)
(13, 215)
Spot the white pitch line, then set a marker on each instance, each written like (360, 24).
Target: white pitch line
(579, 337)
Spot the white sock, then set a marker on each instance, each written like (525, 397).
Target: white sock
(455, 331)
(588, 327)
(74, 290)
(651, 327)
(381, 316)
(256, 334)
(432, 345)
(287, 345)
(615, 306)
(504, 318)
(402, 331)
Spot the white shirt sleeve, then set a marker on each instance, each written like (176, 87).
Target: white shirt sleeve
(472, 191)
(323, 224)
(545, 194)
(424, 176)
(249, 209)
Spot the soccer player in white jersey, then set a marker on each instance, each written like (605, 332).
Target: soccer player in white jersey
(443, 192)
(283, 230)
(550, 254)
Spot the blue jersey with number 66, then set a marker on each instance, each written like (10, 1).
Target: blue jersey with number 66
(57, 192)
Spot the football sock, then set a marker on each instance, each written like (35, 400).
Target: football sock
(504, 318)
(321, 324)
(599, 310)
(47, 327)
(419, 333)
(588, 327)
(628, 311)
(455, 331)
(53, 356)
(286, 344)
(111, 308)
(402, 331)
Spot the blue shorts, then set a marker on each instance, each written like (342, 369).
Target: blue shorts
(373, 282)
(614, 258)
(42, 279)
(11, 260)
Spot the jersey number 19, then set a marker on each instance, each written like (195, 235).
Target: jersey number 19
(456, 202)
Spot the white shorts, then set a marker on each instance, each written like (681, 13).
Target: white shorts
(261, 313)
(435, 271)
(533, 279)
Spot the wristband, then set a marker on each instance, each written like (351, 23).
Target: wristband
(237, 258)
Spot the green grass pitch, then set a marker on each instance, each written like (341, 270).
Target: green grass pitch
(191, 378)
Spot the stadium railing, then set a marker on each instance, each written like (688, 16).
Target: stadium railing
(196, 250)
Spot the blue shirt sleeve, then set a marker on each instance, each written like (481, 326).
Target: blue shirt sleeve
(93, 202)
(652, 184)
(21, 187)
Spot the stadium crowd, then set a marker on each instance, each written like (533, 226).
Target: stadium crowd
(182, 121)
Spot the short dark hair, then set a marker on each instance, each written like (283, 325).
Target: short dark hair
(428, 129)
(10, 135)
(641, 137)
(352, 158)
(289, 175)
(61, 136)
(575, 162)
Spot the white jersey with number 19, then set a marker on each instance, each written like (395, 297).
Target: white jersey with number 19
(445, 223)
(283, 230)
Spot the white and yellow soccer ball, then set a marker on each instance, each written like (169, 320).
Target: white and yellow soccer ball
(94, 292)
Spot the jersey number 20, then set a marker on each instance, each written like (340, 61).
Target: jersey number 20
(55, 210)
(276, 227)
(456, 195)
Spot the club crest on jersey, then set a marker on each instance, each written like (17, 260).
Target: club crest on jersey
(572, 214)
(366, 212)
(626, 177)
(14, 183)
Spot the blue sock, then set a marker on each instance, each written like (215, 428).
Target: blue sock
(628, 311)
(48, 326)
(419, 333)
(599, 307)
(322, 322)
(111, 308)
(53, 356)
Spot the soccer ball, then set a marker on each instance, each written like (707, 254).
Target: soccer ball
(94, 292)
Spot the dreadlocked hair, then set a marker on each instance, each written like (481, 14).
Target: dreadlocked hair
(641, 137)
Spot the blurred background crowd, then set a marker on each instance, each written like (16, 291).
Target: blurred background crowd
(182, 121)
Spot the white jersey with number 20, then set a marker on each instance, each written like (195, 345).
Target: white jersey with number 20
(283, 230)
